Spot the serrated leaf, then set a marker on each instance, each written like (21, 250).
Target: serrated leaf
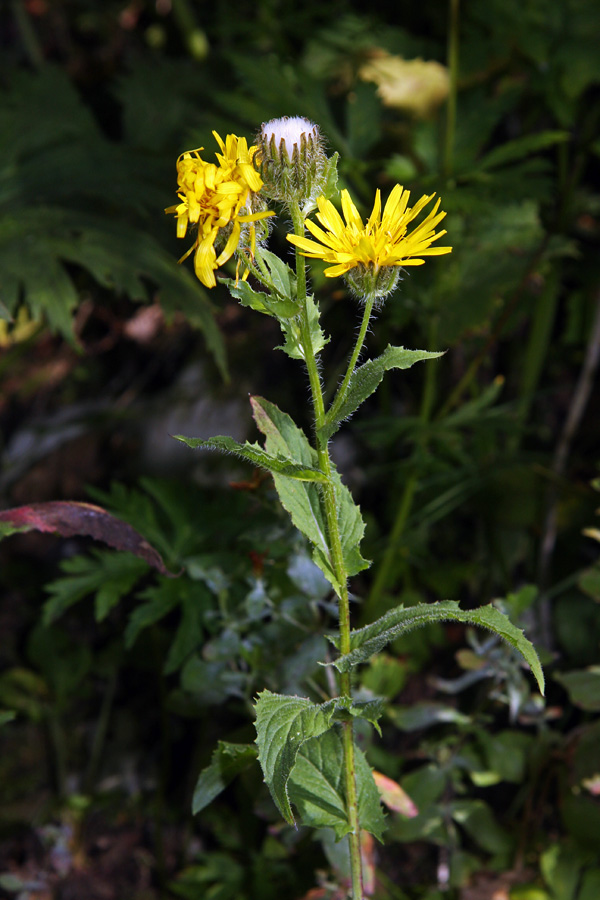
(304, 501)
(282, 277)
(367, 641)
(259, 301)
(291, 330)
(370, 710)
(256, 455)
(317, 787)
(228, 760)
(365, 380)
(283, 725)
(108, 576)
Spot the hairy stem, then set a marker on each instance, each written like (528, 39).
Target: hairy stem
(360, 340)
(337, 557)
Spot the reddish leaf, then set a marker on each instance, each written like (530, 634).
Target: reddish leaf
(70, 519)
(395, 797)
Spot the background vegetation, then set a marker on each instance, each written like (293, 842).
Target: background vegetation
(476, 474)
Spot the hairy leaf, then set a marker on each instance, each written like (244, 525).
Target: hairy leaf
(291, 329)
(304, 501)
(317, 787)
(282, 276)
(283, 725)
(367, 641)
(277, 464)
(259, 301)
(365, 381)
(228, 760)
(370, 710)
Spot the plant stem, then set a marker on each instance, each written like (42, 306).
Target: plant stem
(336, 551)
(341, 394)
(453, 45)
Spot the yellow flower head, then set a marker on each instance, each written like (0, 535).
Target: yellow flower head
(218, 199)
(368, 251)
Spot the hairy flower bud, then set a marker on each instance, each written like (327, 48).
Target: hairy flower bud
(365, 281)
(293, 163)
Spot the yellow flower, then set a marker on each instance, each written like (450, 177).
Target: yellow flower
(381, 244)
(218, 199)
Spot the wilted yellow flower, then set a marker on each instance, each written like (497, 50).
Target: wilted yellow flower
(218, 199)
(410, 84)
(363, 252)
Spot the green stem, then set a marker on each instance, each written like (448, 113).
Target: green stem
(337, 557)
(341, 394)
(453, 44)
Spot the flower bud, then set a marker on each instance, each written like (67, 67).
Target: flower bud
(293, 163)
(377, 281)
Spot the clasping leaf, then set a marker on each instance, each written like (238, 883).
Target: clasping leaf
(367, 641)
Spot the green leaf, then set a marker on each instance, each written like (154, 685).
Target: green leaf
(365, 381)
(7, 529)
(283, 725)
(477, 819)
(370, 710)
(291, 329)
(260, 301)
(589, 582)
(254, 454)
(6, 715)
(590, 885)
(303, 501)
(161, 599)
(282, 278)
(228, 760)
(367, 641)
(331, 183)
(425, 715)
(195, 601)
(583, 687)
(510, 151)
(317, 787)
(561, 867)
(108, 576)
